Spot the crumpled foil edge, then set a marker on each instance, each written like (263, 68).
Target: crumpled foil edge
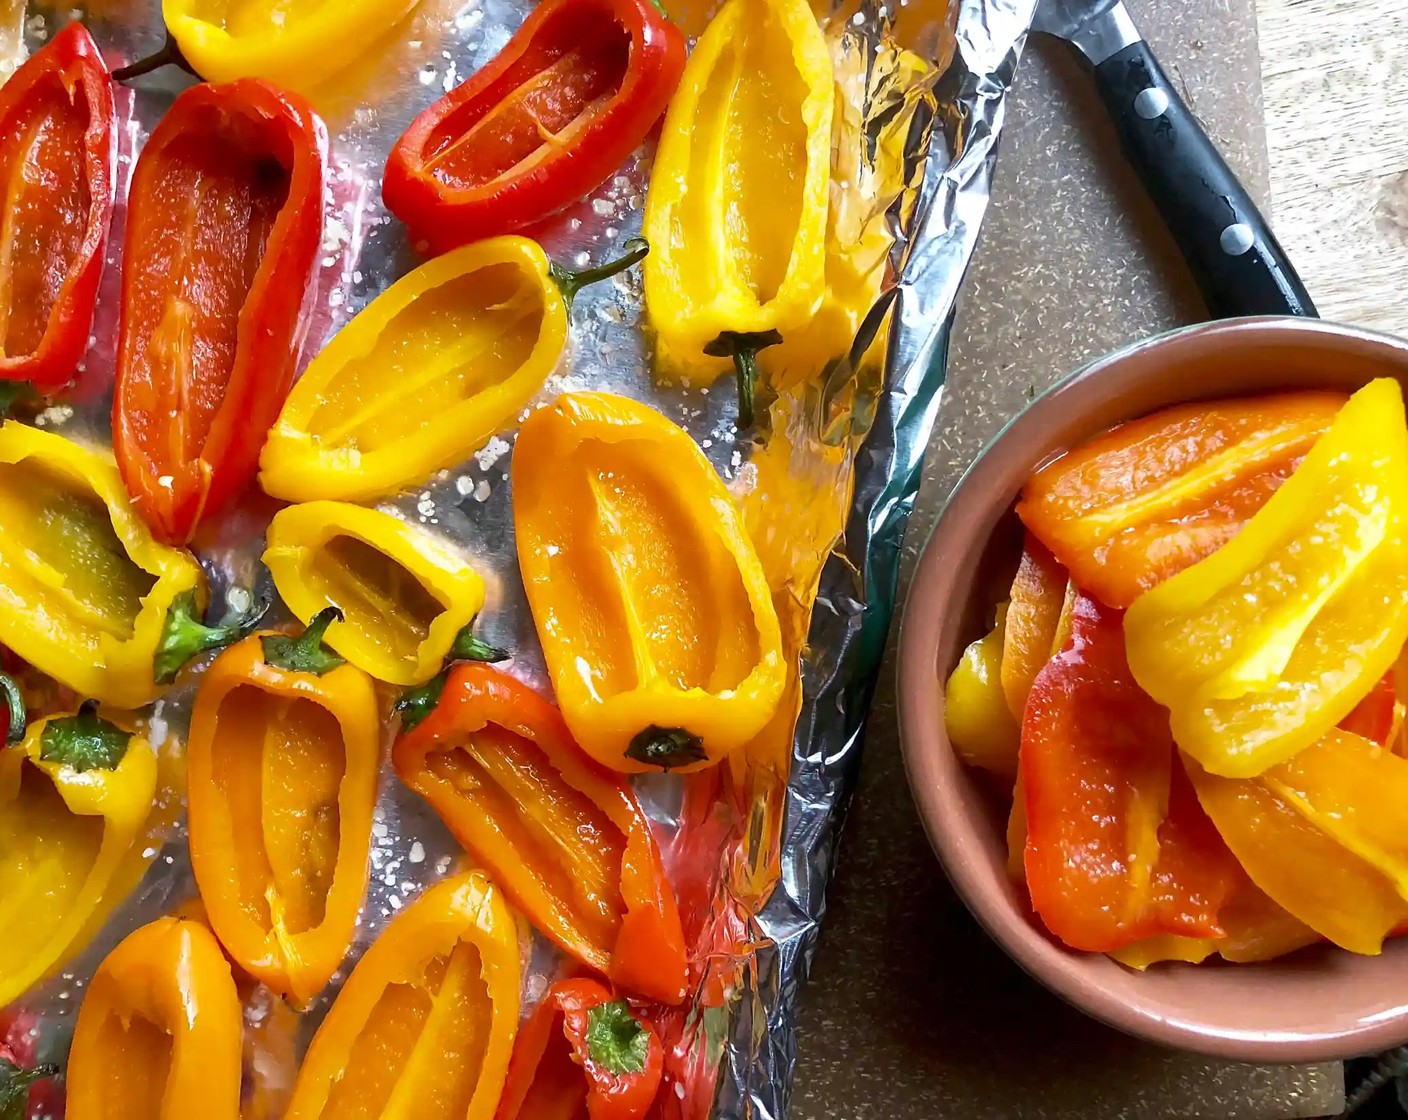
(859, 581)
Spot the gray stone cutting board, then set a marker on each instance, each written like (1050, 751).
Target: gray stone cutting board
(912, 1013)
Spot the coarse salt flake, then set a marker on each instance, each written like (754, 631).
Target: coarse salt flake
(417, 852)
(481, 492)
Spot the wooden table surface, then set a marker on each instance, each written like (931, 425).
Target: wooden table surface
(1335, 87)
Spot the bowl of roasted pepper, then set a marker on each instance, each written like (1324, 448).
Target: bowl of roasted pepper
(1152, 683)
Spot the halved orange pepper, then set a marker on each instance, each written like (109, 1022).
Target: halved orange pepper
(1117, 848)
(1033, 612)
(425, 1024)
(158, 1033)
(1149, 498)
(563, 836)
(282, 772)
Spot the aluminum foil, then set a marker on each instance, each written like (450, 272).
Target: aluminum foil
(763, 828)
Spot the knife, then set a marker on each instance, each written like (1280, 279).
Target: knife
(1237, 262)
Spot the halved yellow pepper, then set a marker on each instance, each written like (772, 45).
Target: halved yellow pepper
(420, 379)
(85, 591)
(404, 595)
(1262, 647)
(297, 45)
(79, 824)
(654, 614)
(737, 207)
(1284, 834)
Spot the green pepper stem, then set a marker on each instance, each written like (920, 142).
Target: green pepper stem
(84, 741)
(415, 704)
(14, 701)
(13, 393)
(571, 282)
(305, 653)
(15, 1083)
(469, 648)
(169, 55)
(184, 635)
(743, 347)
(616, 1040)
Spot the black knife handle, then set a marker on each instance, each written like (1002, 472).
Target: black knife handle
(1234, 257)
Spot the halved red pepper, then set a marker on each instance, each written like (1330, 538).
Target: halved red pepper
(601, 1061)
(544, 124)
(58, 160)
(564, 837)
(1117, 846)
(224, 221)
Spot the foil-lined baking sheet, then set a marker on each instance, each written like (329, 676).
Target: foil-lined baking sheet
(826, 485)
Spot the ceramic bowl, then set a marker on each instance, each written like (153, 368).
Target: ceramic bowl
(1316, 1005)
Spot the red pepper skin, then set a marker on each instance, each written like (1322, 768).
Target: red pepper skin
(546, 1081)
(597, 74)
(56, 116)
(1118, 848)
(224, 221)
(573, 819)
(22, 1037)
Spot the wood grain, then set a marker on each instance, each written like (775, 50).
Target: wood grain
(1335, 84)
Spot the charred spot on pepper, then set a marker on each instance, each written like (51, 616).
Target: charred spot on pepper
(15, 709)
(184, 636)
(84, 741)
(666, 747)
(306, 653)
(743, 347)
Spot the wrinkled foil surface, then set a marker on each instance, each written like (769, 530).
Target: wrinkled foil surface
(765, 826)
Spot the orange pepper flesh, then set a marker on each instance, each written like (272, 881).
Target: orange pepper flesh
(158, 1033)
(1116, 847)
(425, 1024)
(1374, 717)
(1149, 498)
(282, 770)
(564, 837)
(1038, 592)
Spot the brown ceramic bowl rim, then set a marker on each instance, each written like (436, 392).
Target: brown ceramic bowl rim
(966, 522)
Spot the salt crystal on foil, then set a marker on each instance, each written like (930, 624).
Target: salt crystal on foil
(417, 852)
(481, 492)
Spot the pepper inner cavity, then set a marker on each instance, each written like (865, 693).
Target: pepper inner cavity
(139, 1057)
(279, 764)
(422, 1046)
(44, 214)
(572, 846)
(544, 99)
(60, 551)
(447, 346)
(751, 110)
(376, 593)
(47, 853)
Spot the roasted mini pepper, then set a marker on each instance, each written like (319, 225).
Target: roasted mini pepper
(86, 594)
(653, 611)
(224, 220)
(1040, 592)
(558, 110)
(405, 597)
(566, 839)
(1266, 644)
(58, 160)
(282, 773)
(1149, 498)
(448, 355)
(1117, 848)
(976, 717)
(76, 833)
(583, 1053)
(425, 1024)
(158, 1032)
(1323, 835)
(298, 47)
(737, 206)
